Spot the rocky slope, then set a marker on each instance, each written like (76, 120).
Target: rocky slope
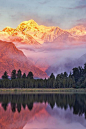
(12, 58)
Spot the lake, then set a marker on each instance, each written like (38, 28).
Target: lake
(42, 111)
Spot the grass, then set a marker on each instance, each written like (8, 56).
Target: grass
(40, 90)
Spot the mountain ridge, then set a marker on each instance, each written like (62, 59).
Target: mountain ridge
(29, 32)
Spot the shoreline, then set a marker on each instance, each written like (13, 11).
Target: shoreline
(41, 91)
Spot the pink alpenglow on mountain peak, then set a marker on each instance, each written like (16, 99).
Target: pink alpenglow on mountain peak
(29, 32)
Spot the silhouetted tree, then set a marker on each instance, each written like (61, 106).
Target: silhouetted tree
(24, 75)
(52, 76)
(19, 75)
(81, 71)
(5, 76)
(85, 68)
(70, 75)
(76, 74)
(65, 74)
(13, 74)
(30, 75)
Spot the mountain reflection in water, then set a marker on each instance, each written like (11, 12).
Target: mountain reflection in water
(40, 111)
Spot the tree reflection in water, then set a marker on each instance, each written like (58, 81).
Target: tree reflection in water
(75, 101)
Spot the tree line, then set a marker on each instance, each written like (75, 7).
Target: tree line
(76, 79)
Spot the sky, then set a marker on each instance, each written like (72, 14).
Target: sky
(62, 13)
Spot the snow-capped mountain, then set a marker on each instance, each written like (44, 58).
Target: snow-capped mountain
(29, 32)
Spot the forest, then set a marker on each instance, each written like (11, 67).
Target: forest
(75, 79)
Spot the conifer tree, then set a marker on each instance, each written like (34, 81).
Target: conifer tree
(24, 75)
(19, 75)
(5, 76)
(13, 74)
(30, 75)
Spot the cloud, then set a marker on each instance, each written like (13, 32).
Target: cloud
(53, 53)
(80, 7)
(44, 2)
(76, 7)
(81, 22)
(49, 13)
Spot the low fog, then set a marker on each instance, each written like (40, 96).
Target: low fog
(53, 55)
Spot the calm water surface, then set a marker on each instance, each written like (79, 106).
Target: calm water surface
(43, 111)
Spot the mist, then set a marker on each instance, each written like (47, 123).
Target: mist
(53, 54)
